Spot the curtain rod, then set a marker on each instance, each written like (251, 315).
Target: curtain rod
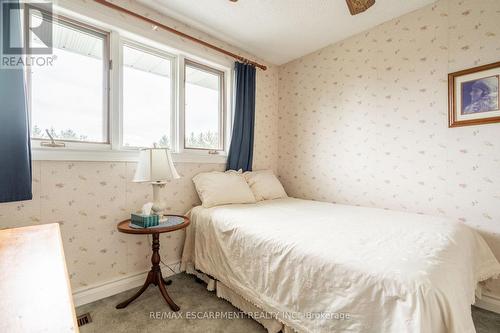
(179, 33)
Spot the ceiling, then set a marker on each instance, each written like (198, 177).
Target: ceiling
(279, 31)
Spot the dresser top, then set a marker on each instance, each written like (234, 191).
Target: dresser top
(35, 288)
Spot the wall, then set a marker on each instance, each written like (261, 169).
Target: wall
(88, 199)
(364, 121)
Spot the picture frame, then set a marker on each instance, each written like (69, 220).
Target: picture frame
(474, 96)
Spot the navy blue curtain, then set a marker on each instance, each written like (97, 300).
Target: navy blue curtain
(15, 170)
(241, 149)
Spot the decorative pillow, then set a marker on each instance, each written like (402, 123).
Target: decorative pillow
(222, 188)
(265, 185)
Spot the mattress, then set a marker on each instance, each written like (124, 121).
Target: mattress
(322, 267)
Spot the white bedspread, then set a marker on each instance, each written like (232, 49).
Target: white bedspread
(310, 262)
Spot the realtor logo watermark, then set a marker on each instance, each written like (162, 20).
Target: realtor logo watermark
(231, 315)
(26, 34)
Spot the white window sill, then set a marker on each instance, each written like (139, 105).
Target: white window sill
(65, 154)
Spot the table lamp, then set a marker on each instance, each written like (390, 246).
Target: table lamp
(156, 167)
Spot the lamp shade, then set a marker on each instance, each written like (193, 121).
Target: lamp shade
(155, 165)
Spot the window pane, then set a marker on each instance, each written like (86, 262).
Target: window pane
(203, 111)
(147, 83)
(68, 98)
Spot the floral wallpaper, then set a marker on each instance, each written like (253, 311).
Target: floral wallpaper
(88, 199)
(364, 121)
(266, 120)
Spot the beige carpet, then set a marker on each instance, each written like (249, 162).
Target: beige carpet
(149, 313)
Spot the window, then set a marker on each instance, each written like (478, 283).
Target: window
(69, 99)
(204, 107)
(110, 93)
(147, 97)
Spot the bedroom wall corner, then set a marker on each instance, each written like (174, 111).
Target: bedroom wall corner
(266, 120)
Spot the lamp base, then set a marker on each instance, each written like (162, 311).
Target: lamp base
(158, 204)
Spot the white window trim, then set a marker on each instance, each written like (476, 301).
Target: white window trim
(36, 143)
(109, 155)
(173, 90)
(114, 151)
(222, 110)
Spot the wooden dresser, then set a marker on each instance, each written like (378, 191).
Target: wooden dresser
(35, 294)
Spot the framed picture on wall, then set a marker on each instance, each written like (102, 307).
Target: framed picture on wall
(473, 96)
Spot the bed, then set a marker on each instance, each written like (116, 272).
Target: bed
(322, 267)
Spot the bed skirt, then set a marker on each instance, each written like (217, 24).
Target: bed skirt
(224, 292)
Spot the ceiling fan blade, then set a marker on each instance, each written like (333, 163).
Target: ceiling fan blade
(359, 6)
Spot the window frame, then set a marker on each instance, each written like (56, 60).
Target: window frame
(221, 111)
(173, 88)
(36, 143)
(119, 33)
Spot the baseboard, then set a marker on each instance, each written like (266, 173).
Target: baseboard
(489, 302)
(109, 288)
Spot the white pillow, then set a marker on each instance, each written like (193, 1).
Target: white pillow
(221, 188)
(265, 185)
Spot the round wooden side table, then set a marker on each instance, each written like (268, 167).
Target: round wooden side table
(154, 276)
